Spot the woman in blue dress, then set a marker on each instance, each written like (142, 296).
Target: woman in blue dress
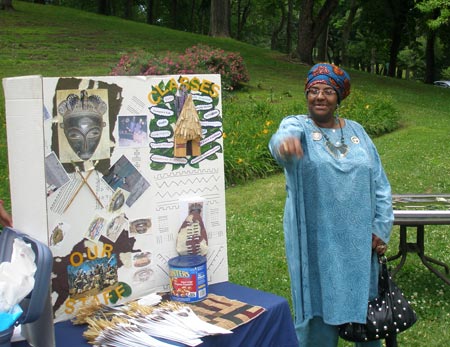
(338, 213)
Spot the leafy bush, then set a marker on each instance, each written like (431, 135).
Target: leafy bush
(200, 59)
(248, 128)
(133, 64)
(376, 114)
(446, 73)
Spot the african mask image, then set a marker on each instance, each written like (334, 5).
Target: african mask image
(82, 122)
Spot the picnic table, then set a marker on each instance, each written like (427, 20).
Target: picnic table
(416, 211)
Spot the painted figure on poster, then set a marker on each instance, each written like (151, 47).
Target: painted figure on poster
(192, 237)
(83, 122)
(188, 131)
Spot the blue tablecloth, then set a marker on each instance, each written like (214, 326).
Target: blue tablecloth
(273, 328)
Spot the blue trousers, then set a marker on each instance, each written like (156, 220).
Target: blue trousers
(315, 333)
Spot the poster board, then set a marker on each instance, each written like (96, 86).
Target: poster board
(98, 172)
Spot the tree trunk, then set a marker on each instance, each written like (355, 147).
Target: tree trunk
(430, 62)
(173, 14)
(242, 15)
(395, 48)
(276, 31)
(429, 57)
(6, 5)
(103, 7)
(310, 28)
(205, 11)
(322, 46)
(306, 41)
(289, 27)
(220, 18)
(347, 29)
(128, 9)
(150, 13)
(192, 19)
(238, 34)
(400, 11)
(373, 59)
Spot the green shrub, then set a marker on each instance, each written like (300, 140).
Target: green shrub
(376, 114)
(248, 128)
(446, 73)
(200, 59)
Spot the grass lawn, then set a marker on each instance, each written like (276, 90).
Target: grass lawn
(54, 41)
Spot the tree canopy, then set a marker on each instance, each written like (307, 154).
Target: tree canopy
(397, 38)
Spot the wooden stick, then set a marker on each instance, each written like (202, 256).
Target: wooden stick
(89, 186)
(77, 191)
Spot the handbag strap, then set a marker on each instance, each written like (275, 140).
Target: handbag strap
(383, 281)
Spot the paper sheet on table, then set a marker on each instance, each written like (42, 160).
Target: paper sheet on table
(16, 280)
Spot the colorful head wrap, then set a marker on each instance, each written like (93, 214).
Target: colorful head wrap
(332, 75)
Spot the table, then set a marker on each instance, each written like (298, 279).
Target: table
(418, 216)
(273, 328)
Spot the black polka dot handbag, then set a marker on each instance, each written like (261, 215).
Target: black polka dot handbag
(387, 315)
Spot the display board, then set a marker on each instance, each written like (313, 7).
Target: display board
(109, 172)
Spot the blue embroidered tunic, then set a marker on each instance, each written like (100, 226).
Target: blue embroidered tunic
(333, 205)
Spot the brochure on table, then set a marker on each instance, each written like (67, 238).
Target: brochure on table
(105, 170)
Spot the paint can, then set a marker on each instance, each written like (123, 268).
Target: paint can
(188, 278)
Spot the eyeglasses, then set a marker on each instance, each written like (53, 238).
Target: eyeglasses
(326, 92)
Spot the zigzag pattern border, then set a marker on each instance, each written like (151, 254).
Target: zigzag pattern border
(189, 181)
(163, 176)
(185, 192)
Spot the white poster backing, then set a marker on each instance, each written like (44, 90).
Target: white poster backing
(111, 208)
